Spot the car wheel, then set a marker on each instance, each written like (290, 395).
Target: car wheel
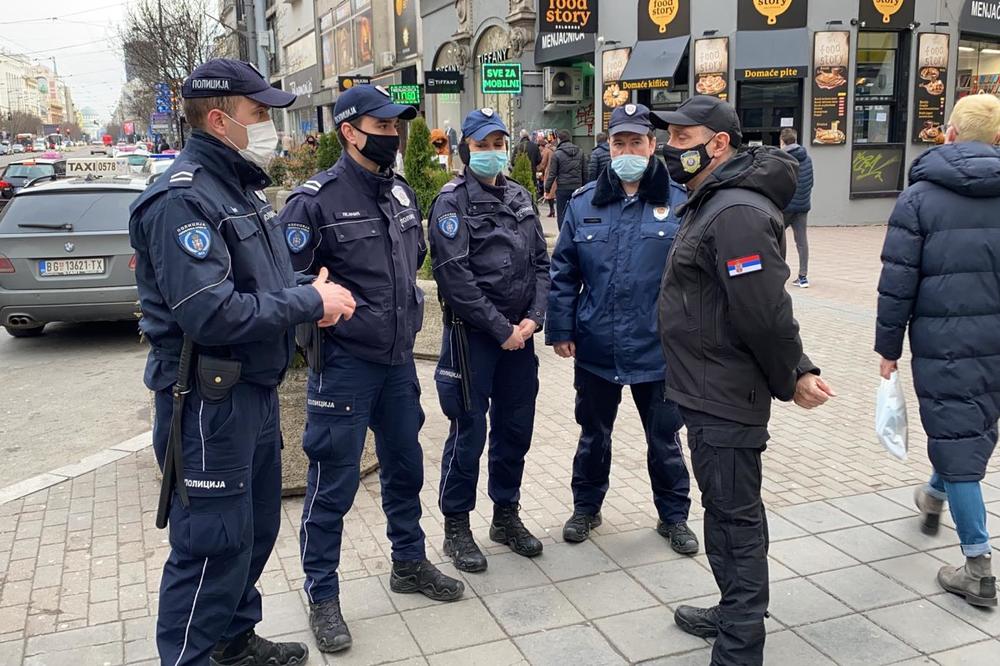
(32, 332)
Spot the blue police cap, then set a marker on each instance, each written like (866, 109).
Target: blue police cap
(634, 118)
(366, 100)
(222, 77)
(481, 123)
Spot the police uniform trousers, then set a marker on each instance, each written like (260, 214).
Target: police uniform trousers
(349, 396)
(221, 542)
(597, 403)
(504, 384)
(726, 459)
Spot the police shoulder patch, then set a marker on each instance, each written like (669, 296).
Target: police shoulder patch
(448, 224)
(297, 236)
(195, 238)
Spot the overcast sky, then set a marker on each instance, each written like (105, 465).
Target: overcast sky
(82, 39)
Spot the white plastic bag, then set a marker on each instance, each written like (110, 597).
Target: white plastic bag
(890, 417)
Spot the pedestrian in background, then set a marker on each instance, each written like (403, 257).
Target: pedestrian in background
(219, 300)
(548, 188)
(797, 209)
(527, 147)
(566, 172)
(286, 144)
(311, 143)
(606, 273)
(361, 222)
(491, 264)
(940, 272)
(600, 157)
(439, 139)
(731, 344)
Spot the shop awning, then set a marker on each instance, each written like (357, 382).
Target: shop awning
(772, 54)
(654, 63)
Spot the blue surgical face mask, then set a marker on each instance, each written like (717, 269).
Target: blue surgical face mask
(488, 163)
(630, 167)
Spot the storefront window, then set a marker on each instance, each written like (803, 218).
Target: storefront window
(493, 47)
(879, 88)
(447, 107)
(978, 67)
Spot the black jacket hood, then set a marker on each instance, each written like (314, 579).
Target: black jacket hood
(971, 169)
(764, 169)
(569, 148)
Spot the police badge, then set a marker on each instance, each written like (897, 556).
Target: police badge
(297, 236)
(401, 195)
(195, 239)
(691, 161)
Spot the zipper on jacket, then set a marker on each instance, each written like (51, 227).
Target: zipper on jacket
(753, 397)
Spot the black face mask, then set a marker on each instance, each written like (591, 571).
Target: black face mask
(380, 149)
(683, 164)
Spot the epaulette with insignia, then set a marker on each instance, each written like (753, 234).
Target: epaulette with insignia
(184, 175)
(589, 186)
(452, 184)
(316, 183)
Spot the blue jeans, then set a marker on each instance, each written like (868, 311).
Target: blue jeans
(965, 500)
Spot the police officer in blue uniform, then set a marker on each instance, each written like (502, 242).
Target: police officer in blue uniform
(219, 300)
(606, 272)
(362, 222)
(492, 270)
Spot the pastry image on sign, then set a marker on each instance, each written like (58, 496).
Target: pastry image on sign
(615, 96)
(772, 9)
(930, 73)
(662, 12)
(930, 132)
(710, 84)
(935, 87)
(887, 8)
(831, 135)
(829, 78)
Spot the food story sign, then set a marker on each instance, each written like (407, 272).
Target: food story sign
(886, 14)
(831, 57)
(662, 19)
(711, 67)
(931, 83)
(612, 95)
(771, 14)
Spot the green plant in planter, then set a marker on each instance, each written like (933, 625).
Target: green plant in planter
(421, 168)
(301, 165)
(523, 174)
(278, 171)
(328, 152)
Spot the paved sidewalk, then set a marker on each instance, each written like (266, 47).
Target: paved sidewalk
(852, 577)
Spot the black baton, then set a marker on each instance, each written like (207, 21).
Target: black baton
(464, 367)
(173, 458)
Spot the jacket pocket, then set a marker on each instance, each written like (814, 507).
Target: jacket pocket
(595, 234)
(354, 230)
(658, 231)
(245, 227)
(217, 522)
(217, 377)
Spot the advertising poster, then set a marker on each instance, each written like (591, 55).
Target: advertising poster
(931, 82)
(711, 67)
(579, 16)
(612, 96)
(405, 18)
(363, 33)
(831, 58)
(345, 47)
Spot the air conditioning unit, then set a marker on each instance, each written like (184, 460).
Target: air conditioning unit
(563, 84)
(387, 59)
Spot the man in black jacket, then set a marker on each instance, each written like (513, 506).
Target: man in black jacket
(529, 148)
(566, 171)
(600, 157)
(731, 344)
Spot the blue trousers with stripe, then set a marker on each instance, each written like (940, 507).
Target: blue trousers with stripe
(221, 542)
(348, 397)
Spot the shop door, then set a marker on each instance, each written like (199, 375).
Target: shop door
(766, 107)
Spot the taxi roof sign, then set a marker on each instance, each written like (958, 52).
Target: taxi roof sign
(97, 167)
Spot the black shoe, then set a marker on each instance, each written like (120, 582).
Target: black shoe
(327, 624)
(258, 651)
(424, 577)
(508, 529)
(680, 536)
(460, 546)
(578, 527)
(702, 622)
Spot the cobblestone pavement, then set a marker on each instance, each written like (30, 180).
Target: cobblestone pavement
(852, 577)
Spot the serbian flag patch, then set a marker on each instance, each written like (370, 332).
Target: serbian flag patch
(743, 265)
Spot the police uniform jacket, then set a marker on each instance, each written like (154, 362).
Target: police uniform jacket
(211, 262)
(490, 259)
(606, 272)
(726, 321)
(365, 228)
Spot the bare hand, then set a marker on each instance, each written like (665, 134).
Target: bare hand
(565, 349)
(527, 328)
(887, 367)
(811, 391)
(337, 301)
(515, 341)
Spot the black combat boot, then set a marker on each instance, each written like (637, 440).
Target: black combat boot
(508, 529)
(680, 536)
(702, 622)
(327, 624)
(460, 546)
(578, 527)
(424, 577)
(252, 650)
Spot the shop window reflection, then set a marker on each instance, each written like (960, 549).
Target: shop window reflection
(978, 67)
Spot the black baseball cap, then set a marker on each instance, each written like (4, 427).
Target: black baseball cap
(709, 111)
(222, 77)
(634, 118)
(368, 100)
